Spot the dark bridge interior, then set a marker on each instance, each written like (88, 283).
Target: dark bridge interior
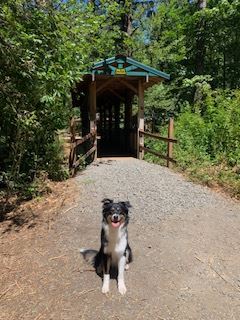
(116, 127)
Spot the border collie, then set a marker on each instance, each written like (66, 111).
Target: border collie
(115, 251)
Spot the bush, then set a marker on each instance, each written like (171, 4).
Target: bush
(208, 135)
(215, 135)
(54, 161)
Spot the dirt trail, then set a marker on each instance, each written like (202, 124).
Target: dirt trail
(185, 240)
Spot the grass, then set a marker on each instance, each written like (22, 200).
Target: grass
(217, 176)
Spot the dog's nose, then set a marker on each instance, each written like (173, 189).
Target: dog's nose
(115, 217)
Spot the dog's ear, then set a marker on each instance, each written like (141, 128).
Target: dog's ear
(126, 204)
(106, 201)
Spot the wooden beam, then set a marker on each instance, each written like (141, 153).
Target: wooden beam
(166, 139)
(128, 111)
(152, 81)
(127, 84)
(84, 157)
(116, 94)
(117, 116)
(158, 154)
(170, 144)
(140, 138)
(83, 139)
(93, 110)
(101, 118)
(104, 118)
(110, 120)
(131, 68)
(139, 74)
(113, 92)
(92, 105)
(127, 120)
(104, 84)
(72, 155)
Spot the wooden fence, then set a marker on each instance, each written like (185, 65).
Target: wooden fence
(74, 159)
(169, 140)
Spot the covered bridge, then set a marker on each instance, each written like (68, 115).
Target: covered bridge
(106, 98)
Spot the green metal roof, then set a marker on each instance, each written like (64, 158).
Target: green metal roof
(124, 66)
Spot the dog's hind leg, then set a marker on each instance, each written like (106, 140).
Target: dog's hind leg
(106, 273)
(121, 285)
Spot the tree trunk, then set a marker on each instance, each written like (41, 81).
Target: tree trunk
(202, 4)
(125, 27)
(200, 40)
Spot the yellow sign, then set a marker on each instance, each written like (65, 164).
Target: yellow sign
(120, 71)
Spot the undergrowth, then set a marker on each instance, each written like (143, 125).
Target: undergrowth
(208, 148)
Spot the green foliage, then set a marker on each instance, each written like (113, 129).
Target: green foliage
(200, 49)
(186, 41)
(54, 163)
(45, 48)
(208, 147)
(212, 135)
(159, 102)
(218, 27)
(36, 188)
(160, 41)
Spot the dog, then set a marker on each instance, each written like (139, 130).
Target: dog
(115, 251)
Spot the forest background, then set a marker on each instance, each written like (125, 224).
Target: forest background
(46, 45)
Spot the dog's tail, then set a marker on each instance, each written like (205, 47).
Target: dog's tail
(89, 256)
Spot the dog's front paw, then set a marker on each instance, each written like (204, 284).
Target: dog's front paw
(105, 289)
(122, 288)
(105, 286)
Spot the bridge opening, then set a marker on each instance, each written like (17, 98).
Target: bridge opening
(111, 131)
(116, 124)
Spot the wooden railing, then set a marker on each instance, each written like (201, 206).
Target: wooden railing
(169, 140)
(74, 159)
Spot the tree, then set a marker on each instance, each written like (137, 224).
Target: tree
(45, 48)
(200, 38)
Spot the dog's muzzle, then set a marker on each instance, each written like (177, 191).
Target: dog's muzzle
(116, 220)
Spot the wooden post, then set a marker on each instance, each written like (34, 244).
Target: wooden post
(140, 139)
(127, 121)
(93, 110)
(117, 122)
(170, 144)
(84, 110)
(104, 119)
(72, 155)
(100, 129)
(117, 116)
(110, 121)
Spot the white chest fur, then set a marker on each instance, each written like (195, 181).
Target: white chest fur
(117, 241)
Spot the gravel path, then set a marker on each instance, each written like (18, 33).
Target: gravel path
(153, 191)
(185, 239)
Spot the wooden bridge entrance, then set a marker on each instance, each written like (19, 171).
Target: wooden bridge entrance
(111, 102)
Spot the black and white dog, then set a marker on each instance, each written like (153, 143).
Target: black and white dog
(114, 251)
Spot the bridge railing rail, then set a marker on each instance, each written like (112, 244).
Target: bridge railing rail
(170, 140)
(74, 159)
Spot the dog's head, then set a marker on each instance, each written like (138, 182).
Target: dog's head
(115, 214)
